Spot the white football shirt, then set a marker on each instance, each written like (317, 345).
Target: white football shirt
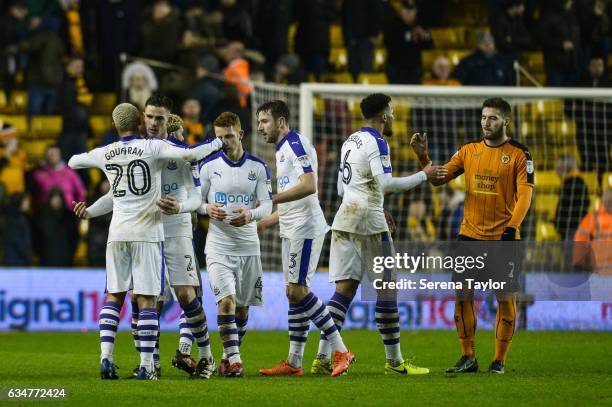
(241, 184)
(364, 155)
(301, 219)
(133, 167)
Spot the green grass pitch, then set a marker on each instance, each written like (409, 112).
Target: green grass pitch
(544, 368)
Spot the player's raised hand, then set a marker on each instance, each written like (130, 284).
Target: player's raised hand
(419, 143)
(390, 222)
(241, 217)
(216, 211)
(169, 205)
(80, 210)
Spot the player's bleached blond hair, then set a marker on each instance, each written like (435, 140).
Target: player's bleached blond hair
(174, 123)
(228, 119)
(126, 117)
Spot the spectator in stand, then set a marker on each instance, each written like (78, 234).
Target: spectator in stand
(41, 8)
(54, 173)
(485, 67)
(449, 201)
(118, 33)
(360, 30)
(574, 199)
(237, 24)
(55, 231)
(138, 82)
(193, 127)
(73, 92)
(273, 19)
(289, 70)
(420, 226)
(441, 73)
(594, 27)
(18, 241)
(13, 161)
(45, 67)
(510, 32)
(201, 27)
(98, 230)
(312, 36)
(236, 72)
(561, 44)
(596, 74)
(405, 38)
(72, 27)
(162, 31)
(207, 87)
(9, 31)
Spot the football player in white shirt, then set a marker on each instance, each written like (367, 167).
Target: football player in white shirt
(236, 192)
(134, 250)
(363, 180)
(302, 229)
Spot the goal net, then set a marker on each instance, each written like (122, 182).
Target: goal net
(568, 132)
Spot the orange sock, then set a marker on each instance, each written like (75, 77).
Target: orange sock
(504, 328)
(465, 321)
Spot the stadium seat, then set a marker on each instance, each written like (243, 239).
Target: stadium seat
(380, 59)
(103, 103)
(20, 122)
(336, 40)
(458, 183)
(401, 110)
(379, 78)
(18, 101)
(319, 106)
(45, 126)
(591, 181)
(291, 38)
(547, 109)
(595, 203)
(606, 181)
(100, 125)
(407, 154)
(338, 58)
(400, 129)
(36, 149)
(428, 56)
(546, 232)
(563, 130)
(533, 62)
(546, 205)
(450, 37)
(3, 101)
(337, 77)
(547, 181)
(471, 34)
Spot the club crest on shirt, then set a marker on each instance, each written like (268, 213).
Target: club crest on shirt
(505, 158)
(172, 165)
(529, 167)
(304, 161)
(282, 158)
(252, 176)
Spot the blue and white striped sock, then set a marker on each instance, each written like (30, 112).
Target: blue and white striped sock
(299, 325)
(108, 322)
(229, 336)
(241, 324)
(186, 338)
(337, 307)
(135, 326)
(320, 316)
(196, 320)
(387, 323)
(148, 327)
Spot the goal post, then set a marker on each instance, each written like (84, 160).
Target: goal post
(569, 126)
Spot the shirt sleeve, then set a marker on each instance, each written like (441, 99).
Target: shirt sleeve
(85, 160)
(456, 164)
(299, 158)
(167, 150)
(379, 157)
(524, 169)
(264, 184)
(205, 187)
(192, 185)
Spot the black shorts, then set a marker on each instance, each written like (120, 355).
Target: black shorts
(502, 264)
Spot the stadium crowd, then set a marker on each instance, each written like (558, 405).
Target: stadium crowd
(202, 53)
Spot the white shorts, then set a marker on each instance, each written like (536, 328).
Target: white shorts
(241, 276)
(181, 261)
(134, 265)
(347, 254)
(300, 259)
